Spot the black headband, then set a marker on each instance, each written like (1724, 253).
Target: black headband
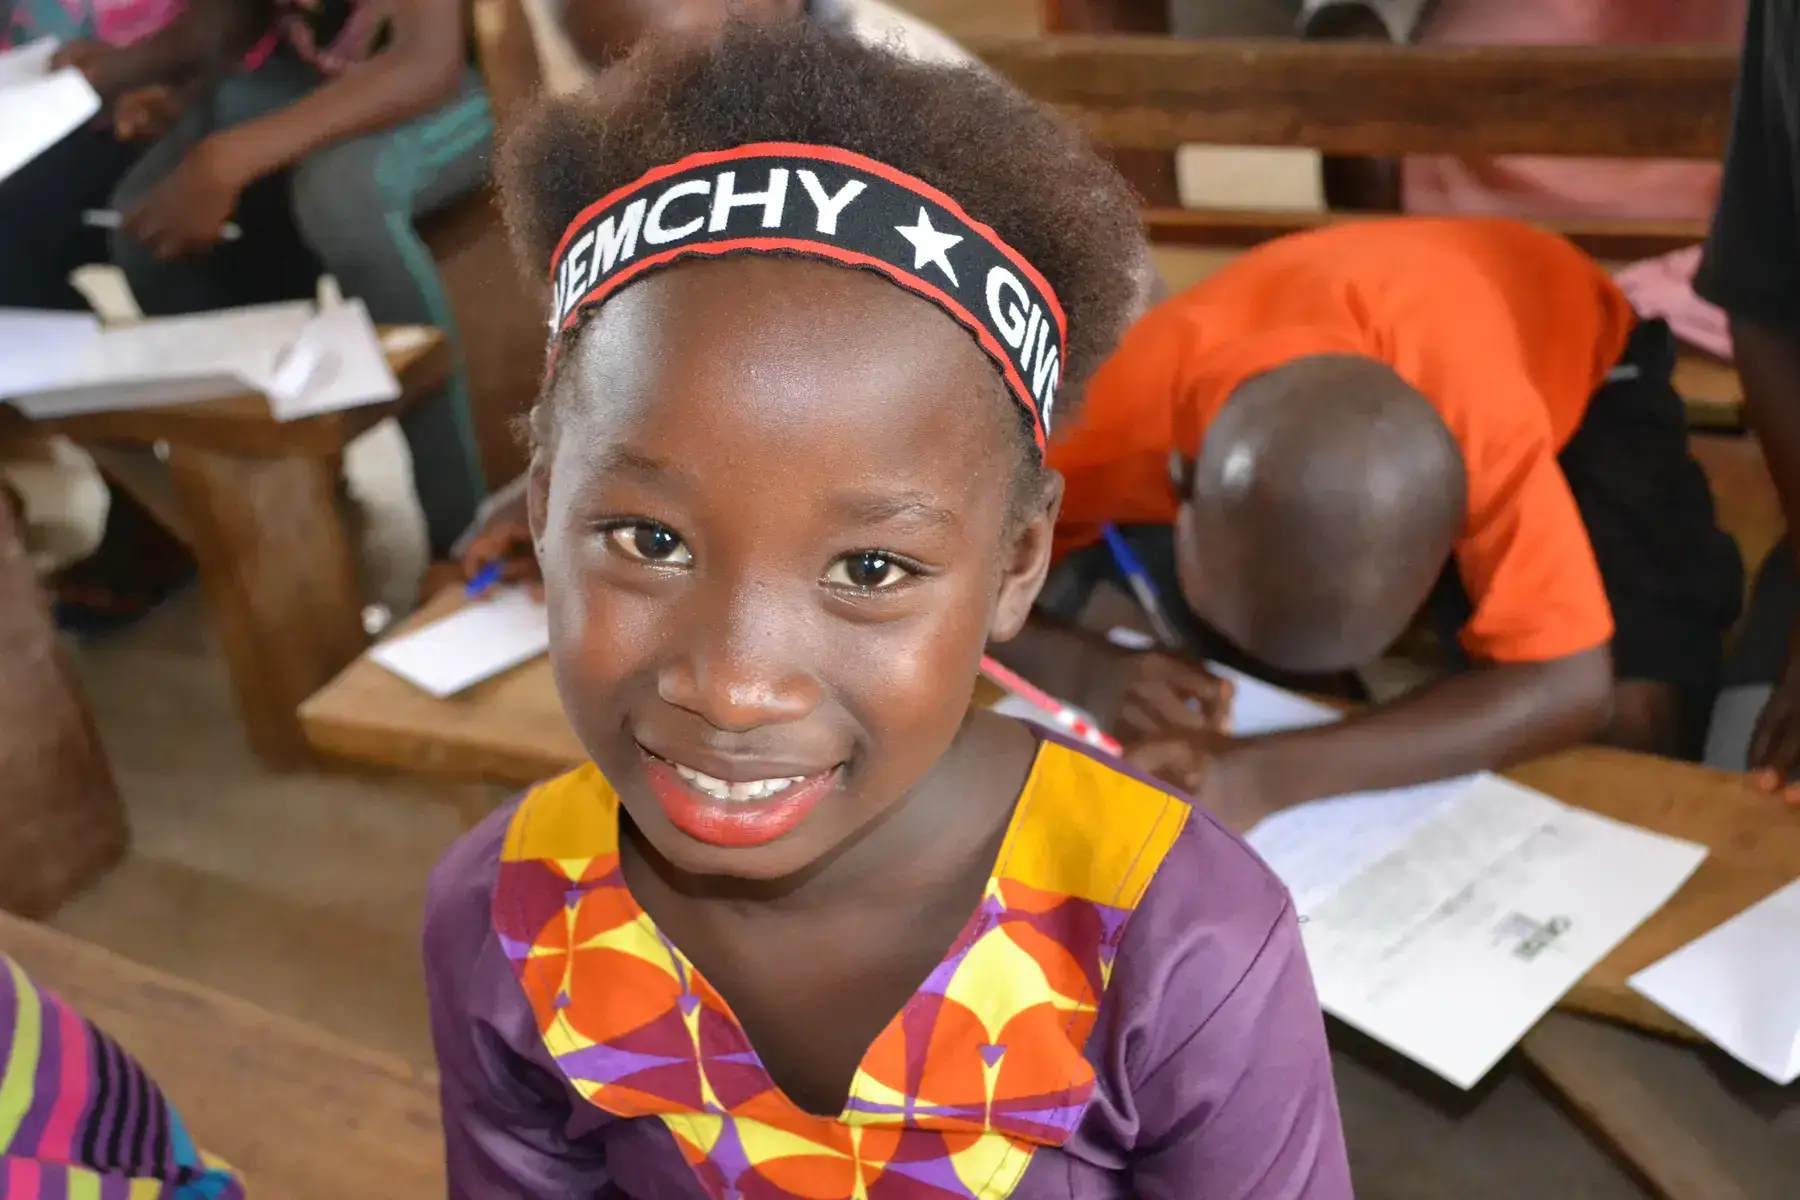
(825, 203)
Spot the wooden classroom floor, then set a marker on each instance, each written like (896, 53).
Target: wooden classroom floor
(302, 893)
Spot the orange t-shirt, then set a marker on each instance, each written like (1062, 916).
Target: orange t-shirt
(1506, 329)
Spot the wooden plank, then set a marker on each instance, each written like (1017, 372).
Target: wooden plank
(1690, 1123)
(301, 1115)
(1378, 100)
(1610, 240)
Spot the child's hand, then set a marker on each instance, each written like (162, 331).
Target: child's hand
(1203, 766)
(505, 538)
(1159, 696)
(103, 65)
(187, 212)
(147, 113)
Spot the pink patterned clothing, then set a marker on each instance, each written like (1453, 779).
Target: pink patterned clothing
(1565, 187)
(115, 22)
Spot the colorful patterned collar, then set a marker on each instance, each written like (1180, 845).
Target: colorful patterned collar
(639, 1033)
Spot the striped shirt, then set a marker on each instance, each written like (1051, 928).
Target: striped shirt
(80, 1119)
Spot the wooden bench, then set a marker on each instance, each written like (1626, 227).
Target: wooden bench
(300, 1114)
(256, 501)
(1368, 99)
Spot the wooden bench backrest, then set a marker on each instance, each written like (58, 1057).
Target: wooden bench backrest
(1365, 99)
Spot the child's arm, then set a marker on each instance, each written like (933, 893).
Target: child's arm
(1751, 269)
(419, 69)
(1238, 1100)
(1768, 361)
(1488, 718)
(505, 1115)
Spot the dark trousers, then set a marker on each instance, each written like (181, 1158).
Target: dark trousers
(42, 237)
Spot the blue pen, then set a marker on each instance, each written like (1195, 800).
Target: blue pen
(1141, 587)
(484, 579)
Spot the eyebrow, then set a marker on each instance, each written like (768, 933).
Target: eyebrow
(915, 507)
(622, 460)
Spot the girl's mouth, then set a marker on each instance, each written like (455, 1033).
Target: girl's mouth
(734, 813)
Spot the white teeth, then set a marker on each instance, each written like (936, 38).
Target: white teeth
(718, 789)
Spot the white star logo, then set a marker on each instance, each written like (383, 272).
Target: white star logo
(929, 245)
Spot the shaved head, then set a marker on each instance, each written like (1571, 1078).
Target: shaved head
(1327, 495)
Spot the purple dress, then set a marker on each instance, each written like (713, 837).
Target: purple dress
(1127, 1014)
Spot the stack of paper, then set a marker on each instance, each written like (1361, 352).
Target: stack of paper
(306, 360)
(38, 107)
(1445, 920)
(1740, 985)
(475, 643)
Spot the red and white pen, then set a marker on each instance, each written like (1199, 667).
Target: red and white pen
(1061, 715)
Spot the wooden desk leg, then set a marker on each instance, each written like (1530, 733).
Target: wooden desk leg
(280, 577)
(1632, 1123)
(62, 826)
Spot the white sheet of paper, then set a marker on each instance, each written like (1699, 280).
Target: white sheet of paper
(1740, 985)
(38, 349)
(38, 107)
(1446, 920)
(176, 360)
(475, 643)
(1317, 847)
(336, 362)
(1454, 945)
(23, 64)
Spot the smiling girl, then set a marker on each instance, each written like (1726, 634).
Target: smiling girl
(807, 926)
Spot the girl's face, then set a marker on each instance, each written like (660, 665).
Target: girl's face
(774, 535)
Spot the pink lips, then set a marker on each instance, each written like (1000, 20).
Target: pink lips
(734, 824)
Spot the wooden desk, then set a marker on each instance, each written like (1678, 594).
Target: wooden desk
(300, 1114)
(509, 730)
(1754, 839)
(256, 501)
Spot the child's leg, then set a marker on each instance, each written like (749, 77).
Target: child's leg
(1672, 575)
(355, 204)
(42, 236)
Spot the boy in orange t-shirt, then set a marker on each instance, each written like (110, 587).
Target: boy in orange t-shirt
(1350, 412)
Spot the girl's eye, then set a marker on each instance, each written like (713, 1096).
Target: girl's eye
(868, 571)
(649, 542)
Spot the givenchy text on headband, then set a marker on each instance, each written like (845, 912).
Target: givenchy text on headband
(830, 204)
